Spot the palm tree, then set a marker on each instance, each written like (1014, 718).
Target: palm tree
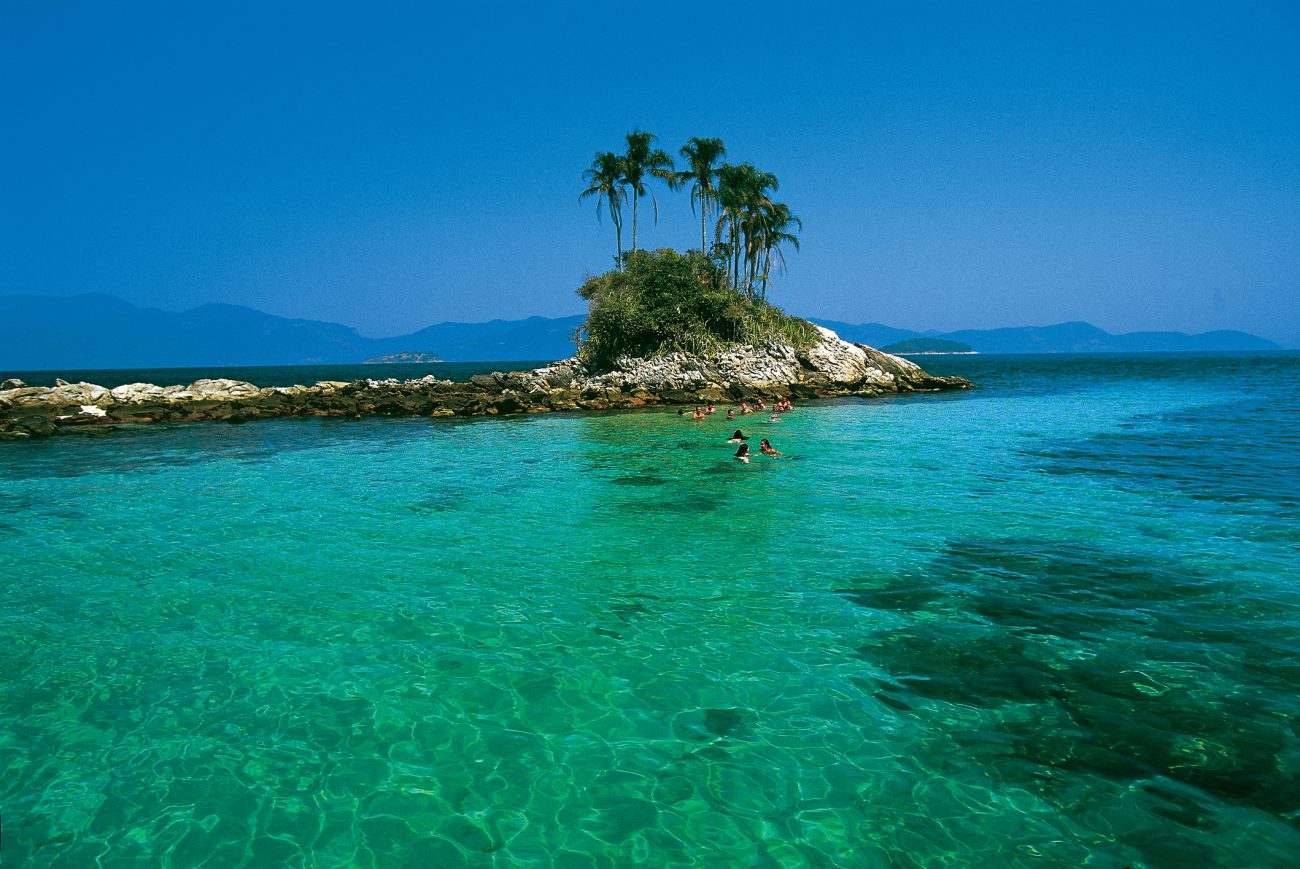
(702, 156)
(640, 161)
(605, 182)
(743, 195)
(774, 227)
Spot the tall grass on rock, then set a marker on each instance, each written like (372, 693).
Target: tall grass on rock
(665, 301)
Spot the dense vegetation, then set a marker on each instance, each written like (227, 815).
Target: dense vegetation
(750, 227)
(663, 301)
(702, 300)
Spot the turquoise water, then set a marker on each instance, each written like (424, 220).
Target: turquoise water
(1052, 622)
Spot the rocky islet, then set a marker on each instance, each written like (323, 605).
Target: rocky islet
(831, 367)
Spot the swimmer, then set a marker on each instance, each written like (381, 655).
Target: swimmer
(766, 448)
(737, 438)
(744, 408)
(742, 453)
(699, 413)
(731, 414)
(711, 408)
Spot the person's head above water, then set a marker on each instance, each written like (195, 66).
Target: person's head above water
(737, 436)
(742, 451)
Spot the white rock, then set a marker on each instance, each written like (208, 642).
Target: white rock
(221, 388)
(131, 393)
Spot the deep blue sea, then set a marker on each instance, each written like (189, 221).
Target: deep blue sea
(1051, 622)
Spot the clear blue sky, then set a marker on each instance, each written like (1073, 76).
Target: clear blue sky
(384, 165)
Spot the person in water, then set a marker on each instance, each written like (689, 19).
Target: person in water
(744, 408)
(699, 413)
(737, 438)
(711, 408)
(767, 449)
(731, 414)
(742, 453)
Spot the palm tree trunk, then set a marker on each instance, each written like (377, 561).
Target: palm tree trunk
(735, 254)
(618, 234)
(767, 269)
(704, 217)
(634, 199)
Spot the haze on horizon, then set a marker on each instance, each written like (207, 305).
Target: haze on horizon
(1134, 166)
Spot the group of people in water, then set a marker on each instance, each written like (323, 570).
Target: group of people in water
(781, 405)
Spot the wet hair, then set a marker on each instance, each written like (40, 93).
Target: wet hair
(742, 451)
(739, 435)
(764, 443)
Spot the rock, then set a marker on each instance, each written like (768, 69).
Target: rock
(12, 383)
(830, 367)
(35, 425)
(133, 393)
(221, 388)
(79, 393)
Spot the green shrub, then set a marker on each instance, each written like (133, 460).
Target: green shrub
(666, 301)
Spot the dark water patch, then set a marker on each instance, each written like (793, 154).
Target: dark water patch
(962, 663)
(1240, 453)
(639, 480)
(908, 595)
(627, 612)
(1069, 570)
(688, 504)
(707, 725)
(1175, 681)
(721, 722)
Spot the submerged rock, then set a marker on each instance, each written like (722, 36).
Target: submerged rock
(829, 368)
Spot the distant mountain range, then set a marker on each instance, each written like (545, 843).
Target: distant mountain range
(41, 333)
(1061, 338)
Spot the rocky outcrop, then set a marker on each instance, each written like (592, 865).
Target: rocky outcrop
(832, 367)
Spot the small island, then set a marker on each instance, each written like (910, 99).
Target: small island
(663, 327)
(403, 359)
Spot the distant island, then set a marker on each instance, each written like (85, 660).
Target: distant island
(94, 331)
(403, 358)
(927, 347)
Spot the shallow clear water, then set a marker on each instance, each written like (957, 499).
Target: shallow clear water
(1052, 622)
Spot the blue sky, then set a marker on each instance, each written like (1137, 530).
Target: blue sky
(1136, 165)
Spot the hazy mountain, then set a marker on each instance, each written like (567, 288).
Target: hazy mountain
(534, 338)
(99, 331)
(1060, 338)
(1086, 338)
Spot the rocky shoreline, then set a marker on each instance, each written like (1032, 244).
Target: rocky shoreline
(832, 367)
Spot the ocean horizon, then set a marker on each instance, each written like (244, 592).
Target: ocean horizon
(1049, 622)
